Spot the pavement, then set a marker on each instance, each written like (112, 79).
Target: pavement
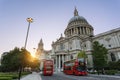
(112, 76)
(36, 76)
(33, 76)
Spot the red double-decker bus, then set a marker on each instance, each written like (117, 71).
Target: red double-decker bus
(47, 67)
(75, 66)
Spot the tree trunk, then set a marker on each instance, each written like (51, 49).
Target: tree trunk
(20, 70)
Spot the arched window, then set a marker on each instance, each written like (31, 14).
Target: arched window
(71, 56)
(113, 57)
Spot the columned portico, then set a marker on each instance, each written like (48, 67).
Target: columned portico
(59, 61)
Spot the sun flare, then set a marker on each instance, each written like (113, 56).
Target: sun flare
(33, 55)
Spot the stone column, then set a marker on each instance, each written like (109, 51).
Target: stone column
(71, 31)
(74, 30)
(56, 63)
(66, 57)
(59, 62)
(83, 30)
(66, 32)
(77, 30)
(88, 30)
(62, 61)
(80, 30)
(69, 56)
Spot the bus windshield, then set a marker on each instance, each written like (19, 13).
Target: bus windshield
(81, 68)
(49, 67)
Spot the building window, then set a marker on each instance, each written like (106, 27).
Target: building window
(71, 57)
(55, 47)
(109, 45)
(70, 45)
(113, 57)
(78, 30)
(61, 46)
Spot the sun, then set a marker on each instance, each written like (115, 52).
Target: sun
(33, 55)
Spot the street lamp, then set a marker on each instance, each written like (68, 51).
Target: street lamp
(30, 20)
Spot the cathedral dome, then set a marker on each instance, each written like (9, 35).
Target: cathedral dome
(77, 18)
(79, 26)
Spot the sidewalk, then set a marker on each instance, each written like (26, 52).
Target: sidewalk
(113, 76)
(33, 76)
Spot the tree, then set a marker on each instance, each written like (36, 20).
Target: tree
(10, 61)
(35, 63)
(81, 54)
(16, 58)
(99, 56)
(118, 64)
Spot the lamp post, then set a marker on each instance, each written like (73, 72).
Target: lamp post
(30, 20)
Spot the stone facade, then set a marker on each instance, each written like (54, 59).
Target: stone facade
(79, 36)
(110, 40)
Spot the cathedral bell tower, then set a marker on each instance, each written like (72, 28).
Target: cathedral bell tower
(40, 45)
(40, 49)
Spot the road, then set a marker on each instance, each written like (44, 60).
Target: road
(61, 76)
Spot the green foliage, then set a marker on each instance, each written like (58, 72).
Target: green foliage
(11, 75)
(114, 65)
(93, 72)
(10, 62)
(14, 59)
(81, 55)
(111, 72)
(26, 73)
(118, 64)
(99, 55)
(6, 78)
(25, 58)
(35, 63)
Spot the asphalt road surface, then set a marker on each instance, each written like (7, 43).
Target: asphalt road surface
(62, 76)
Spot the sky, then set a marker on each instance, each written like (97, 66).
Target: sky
(51, 18)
